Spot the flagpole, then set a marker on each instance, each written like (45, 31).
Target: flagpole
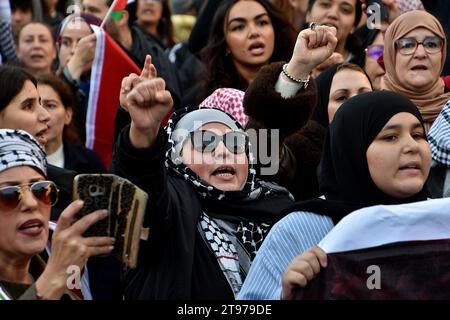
(108, 14)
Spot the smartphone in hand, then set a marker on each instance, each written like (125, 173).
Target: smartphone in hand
(126, 204)
(96, 190)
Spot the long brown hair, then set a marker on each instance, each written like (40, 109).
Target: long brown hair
(65, 93)
(220, 69)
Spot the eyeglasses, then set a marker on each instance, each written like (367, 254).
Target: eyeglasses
(375, 51)
(207, 141)
(44, 191)
(407, 46)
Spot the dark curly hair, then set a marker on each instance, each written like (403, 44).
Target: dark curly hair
(220, 69)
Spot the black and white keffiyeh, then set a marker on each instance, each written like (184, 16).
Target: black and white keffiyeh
(439, 137)
(177, 135)
(224, 250)
(19, 148)
(253, 209)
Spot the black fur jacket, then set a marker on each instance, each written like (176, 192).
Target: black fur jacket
(301, 139)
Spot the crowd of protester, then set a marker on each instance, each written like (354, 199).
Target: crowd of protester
(255, 127)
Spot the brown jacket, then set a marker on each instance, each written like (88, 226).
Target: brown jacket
(301, 139)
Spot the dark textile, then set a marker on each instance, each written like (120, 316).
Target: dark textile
(436, 180)
(265, 105)
(199, 34)
(344, 176)
(300, 138)
(189, 69)
(323, 82)
(366, 37)
(81, 159)
(64, 180)
(81, 104)
(440, 9)
(143, 44)
(407, 270)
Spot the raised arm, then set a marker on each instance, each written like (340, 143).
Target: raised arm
(275, 101)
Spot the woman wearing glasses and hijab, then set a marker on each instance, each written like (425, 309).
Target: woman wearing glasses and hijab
(414, 54)
(26, 197)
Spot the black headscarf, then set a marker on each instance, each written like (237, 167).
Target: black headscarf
(323, 83)
(344, 176)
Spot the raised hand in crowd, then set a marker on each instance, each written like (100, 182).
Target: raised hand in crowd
(128, 83)
(313, 47)
(70, 248)
(301, 270)
(83, 56)
(148, 102)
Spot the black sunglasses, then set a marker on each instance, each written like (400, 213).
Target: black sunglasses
(407, 46)
(44, 191)
(207, 141)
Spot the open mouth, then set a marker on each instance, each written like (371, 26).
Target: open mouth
(148, 11)
(32, 227)
(37, 56)
(410, 166)
(224, 171)
(41, 136)
(419, 67)
(256, 48)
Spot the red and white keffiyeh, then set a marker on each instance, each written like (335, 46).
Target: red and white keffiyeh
(228, 100)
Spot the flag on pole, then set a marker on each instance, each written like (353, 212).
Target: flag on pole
(117, 9)
(111, 64)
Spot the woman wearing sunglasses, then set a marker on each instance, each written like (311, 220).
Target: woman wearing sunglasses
(26, 197)
(208, 213)
(415, 48)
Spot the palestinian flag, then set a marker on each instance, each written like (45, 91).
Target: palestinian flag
(387, 252)
(111, 64)
(117, 7)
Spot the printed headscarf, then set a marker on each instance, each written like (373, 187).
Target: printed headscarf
(228, 100)
(19, 148)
